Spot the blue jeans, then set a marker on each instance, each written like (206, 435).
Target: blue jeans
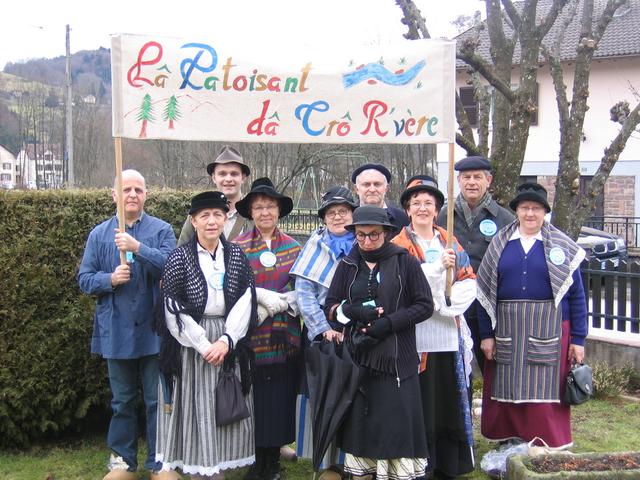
(124, 377)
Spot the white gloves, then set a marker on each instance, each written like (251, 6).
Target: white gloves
(262, 314)
(272, 302)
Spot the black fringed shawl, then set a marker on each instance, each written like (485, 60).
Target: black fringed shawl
(184, 290)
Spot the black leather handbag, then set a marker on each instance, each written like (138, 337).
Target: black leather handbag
(230, 403)
(579, 386)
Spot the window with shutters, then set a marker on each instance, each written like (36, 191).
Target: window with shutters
(467, 97)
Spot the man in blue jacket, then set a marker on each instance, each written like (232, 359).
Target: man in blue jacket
(124, 316)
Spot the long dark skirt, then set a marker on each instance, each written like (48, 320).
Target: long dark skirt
(275, 389)
(385, 421)
(549, 421)
(447, 440)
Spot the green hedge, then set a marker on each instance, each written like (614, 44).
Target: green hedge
(49, 382)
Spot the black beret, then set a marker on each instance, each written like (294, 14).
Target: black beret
(209, 200)
(371, 166)
(472, 163)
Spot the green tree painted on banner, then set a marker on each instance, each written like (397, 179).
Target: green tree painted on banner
(145, 115)
(171, 111)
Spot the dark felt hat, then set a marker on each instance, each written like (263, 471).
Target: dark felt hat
(335, 196)
(370, 215)
(209, 200)
(533, 192)
(422, 183)
(371, 166)
(472, 163)
(264, 186)
(229, 155)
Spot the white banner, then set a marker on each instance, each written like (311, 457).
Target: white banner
(189, 90)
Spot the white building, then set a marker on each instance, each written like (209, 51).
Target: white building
(615, 66)
(39, 166)
(7, 169)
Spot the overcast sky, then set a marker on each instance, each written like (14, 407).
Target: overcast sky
(36, 28)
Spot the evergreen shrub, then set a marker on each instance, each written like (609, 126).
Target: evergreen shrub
(49, 382)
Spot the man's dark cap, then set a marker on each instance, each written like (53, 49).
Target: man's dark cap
(371, 166)
(472, 163)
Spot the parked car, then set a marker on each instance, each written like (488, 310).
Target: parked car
(603, 246)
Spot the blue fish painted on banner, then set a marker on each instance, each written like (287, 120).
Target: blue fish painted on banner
(376, 71)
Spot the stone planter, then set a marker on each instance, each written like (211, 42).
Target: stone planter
(519, 467)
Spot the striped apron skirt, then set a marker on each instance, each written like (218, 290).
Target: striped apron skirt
(523, 386)
(528, 347)
(188, 437)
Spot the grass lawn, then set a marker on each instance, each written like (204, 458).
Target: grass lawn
(598, 425)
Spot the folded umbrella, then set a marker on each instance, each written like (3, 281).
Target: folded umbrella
(333, 379)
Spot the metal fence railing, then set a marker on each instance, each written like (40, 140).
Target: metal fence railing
(612, 291)
(613, 295)
(626, 227)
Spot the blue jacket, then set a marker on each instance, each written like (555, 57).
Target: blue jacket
(124, 315)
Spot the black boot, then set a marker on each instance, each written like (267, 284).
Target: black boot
(256, 471)
(272, 464)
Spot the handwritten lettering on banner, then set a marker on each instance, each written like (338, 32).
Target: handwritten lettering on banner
(193, 90)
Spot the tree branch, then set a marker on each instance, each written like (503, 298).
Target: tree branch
(512, 13)
(611, 155)
(463, 120)
(469, 146)
(485, 69)
(413, 20)
(550, 18)
(555, 68)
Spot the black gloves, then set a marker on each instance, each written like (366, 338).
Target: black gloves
(379, 328)
(359, 313)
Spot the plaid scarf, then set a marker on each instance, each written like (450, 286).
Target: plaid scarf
(278, 338)
(469, 214)
(560, 276)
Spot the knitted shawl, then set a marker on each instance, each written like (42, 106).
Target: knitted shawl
(278, 337)
(184, 290)
(560, 276)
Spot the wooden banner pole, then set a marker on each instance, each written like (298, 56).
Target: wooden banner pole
(450, 205)
(120, 193)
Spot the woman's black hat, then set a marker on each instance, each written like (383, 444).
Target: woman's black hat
(370, 215)
(264, 186)
(335, 196)
(533, 192)
(422, 183)
(209, 200)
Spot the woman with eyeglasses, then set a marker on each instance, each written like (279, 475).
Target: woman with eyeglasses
(444, 341)
(313, 271)
(276, 341)
(379, 294)
(532, 324)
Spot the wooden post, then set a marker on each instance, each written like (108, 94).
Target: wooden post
(450, 205)
(120, 193)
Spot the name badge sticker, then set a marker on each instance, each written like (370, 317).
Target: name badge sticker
(268, 259)
(488, 227)
(431, 255)
(217, 280)
(557, 256)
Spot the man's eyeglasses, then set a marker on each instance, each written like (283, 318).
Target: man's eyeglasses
(343, 212)
(373, 236)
